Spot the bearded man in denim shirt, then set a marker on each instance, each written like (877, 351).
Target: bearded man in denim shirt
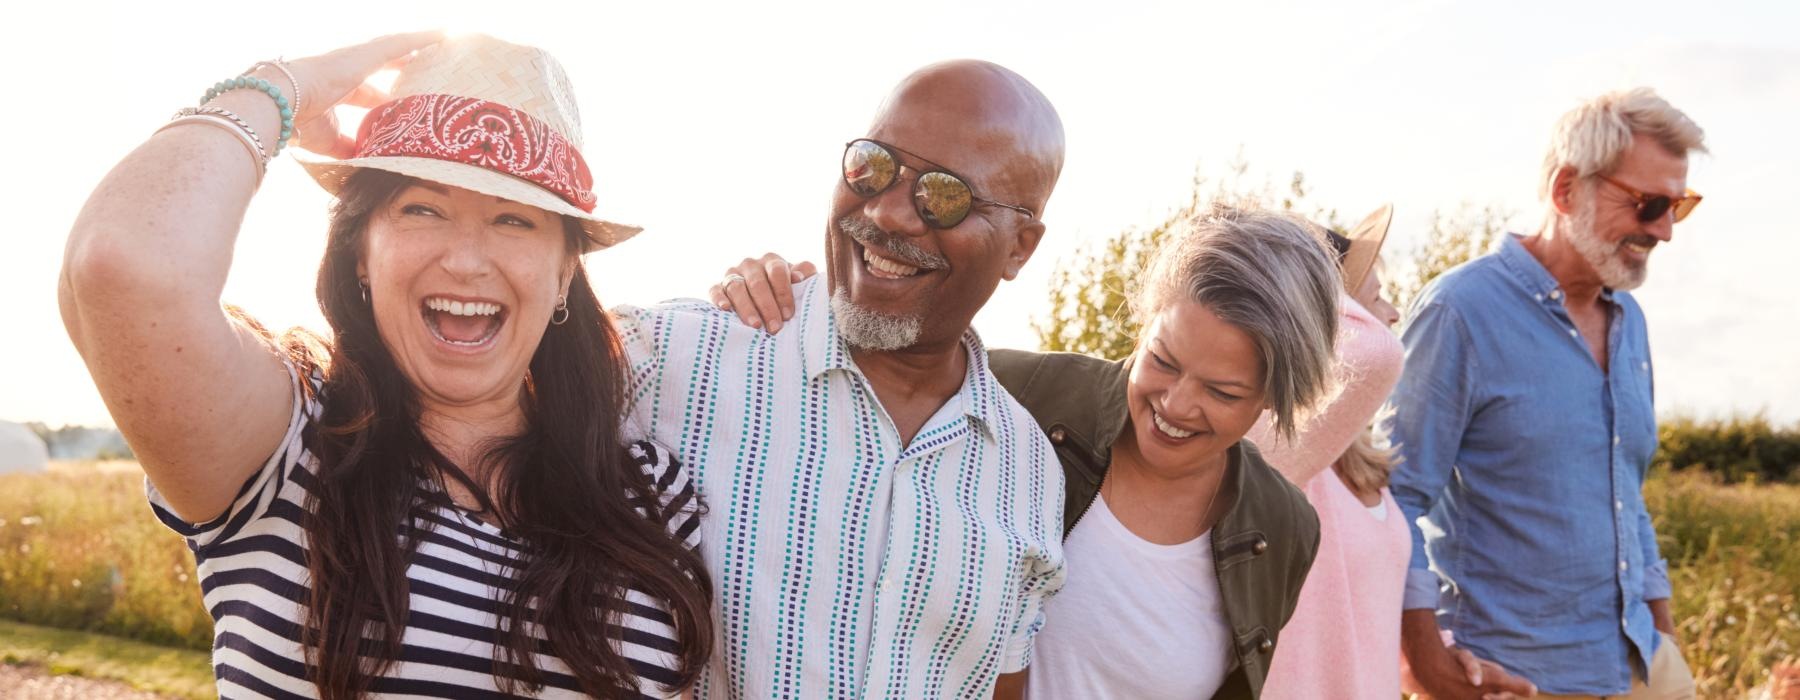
(1525, 424)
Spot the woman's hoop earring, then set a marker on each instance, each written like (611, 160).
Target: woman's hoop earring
(363, 284)
(561, 315)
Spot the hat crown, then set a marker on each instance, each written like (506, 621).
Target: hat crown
(525, 78)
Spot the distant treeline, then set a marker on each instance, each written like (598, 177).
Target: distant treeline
(1737, 449)
(78, 442)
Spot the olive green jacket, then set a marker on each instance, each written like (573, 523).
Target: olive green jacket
(1263, 544)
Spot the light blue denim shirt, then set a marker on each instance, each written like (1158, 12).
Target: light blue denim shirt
(1523, 474)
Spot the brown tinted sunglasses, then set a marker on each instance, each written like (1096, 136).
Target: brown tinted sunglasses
(1651, 207)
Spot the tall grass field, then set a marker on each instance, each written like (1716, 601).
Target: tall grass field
(80, 550)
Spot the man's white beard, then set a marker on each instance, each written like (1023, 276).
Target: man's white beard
(869, 330)
(1607, 259)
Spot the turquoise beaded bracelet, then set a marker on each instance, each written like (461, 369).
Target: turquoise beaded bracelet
(281, 102)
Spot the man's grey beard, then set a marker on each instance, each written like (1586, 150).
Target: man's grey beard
(870, 330)
(1602, 256)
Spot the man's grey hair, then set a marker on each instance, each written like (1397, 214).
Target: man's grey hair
(1592, 137)
(1269, 274)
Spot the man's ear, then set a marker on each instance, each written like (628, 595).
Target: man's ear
(1562, 190)
(1025, 242)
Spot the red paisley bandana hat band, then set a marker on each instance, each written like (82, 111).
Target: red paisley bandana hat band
(484, 115)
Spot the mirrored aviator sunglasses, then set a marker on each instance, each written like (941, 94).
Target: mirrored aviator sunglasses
(941, 198)
(1651, 207)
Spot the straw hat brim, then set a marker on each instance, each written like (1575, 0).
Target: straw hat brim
(601, 233)
(1365, 246)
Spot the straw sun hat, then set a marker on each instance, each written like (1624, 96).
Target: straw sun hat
(1365, 245)
(484, 115)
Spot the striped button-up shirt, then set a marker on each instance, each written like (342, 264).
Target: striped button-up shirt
(846, 562)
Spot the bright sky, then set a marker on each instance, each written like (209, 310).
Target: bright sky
(718, 128)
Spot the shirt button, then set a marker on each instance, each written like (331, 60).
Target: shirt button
(1622, 565)
(1057, 436)
(1265, 646)
(1618, 505)
(887, 584)
(1261, 546)
(1644, 366)
(1615, 439)
(1573, 333)
(1540, 297)
(1555, 294)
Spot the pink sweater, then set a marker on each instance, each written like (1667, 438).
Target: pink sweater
(1368, 367)
(1344, 638)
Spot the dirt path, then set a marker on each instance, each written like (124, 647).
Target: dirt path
(31, 683)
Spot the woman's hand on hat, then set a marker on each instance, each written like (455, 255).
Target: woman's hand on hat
(341, 78)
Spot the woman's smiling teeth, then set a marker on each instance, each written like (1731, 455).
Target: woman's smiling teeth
(883, 267)
(462, 323)
(1168, 429)
(473, 308)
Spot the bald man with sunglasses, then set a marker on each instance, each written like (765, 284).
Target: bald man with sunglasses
(1525, 424)
(885, 520)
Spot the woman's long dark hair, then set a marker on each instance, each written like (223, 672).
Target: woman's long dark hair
(567, 490)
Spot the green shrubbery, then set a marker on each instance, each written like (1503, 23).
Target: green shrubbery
(1738, 449)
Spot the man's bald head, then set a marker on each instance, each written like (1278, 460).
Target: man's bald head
(1008, 136)
(997, 133)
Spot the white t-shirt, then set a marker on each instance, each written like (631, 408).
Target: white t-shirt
(1134, 620)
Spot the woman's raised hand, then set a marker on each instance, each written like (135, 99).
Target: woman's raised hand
(341, 77)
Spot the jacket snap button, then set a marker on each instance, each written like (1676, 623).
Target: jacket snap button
(1260, 547)
(1265, 646)
(1057, 436)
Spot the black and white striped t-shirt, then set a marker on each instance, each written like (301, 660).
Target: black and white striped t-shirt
(253, 574)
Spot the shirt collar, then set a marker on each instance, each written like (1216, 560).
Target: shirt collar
(825, 350)
(1532, 275)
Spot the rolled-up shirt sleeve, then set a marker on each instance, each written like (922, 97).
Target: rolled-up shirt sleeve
(1432, 406)
(1048, 573)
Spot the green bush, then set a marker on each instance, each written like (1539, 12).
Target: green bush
(1739, 449)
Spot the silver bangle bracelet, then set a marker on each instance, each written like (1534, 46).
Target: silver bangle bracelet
(243, 137)
(235, 119)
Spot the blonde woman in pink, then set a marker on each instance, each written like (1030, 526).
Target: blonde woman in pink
(1344, 638)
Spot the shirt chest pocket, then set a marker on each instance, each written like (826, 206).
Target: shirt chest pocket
(1634, 409)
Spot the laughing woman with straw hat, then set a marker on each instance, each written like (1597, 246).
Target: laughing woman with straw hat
(438, 500)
